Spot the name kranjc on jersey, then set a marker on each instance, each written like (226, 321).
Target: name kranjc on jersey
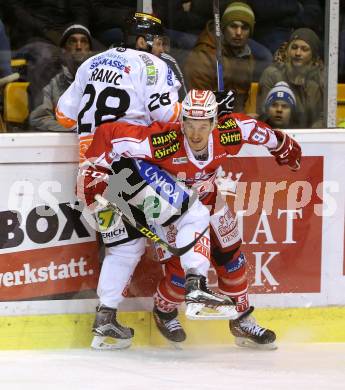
(121, 84)
(166, 146)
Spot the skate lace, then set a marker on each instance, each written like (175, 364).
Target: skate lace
(172, 325)
(250, 326)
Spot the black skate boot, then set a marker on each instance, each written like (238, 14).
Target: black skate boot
(106, 326)
(169, 325)
(248, 333)
(203, 303)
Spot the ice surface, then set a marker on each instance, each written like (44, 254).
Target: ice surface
(292, 366)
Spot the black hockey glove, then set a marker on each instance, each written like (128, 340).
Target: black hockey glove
(226, 102)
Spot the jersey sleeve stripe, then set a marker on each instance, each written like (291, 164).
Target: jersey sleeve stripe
(64, 120)
(176, 114)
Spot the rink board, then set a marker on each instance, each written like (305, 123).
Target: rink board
(49, 266)
(74, 330)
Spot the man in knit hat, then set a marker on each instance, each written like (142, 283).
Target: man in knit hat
(76, 39)
(237, 25)
(280, 105)
(76, 45)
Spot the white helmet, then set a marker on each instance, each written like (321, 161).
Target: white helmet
(199, 104)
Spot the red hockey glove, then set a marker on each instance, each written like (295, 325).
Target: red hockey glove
(288, 152)
(91, 181)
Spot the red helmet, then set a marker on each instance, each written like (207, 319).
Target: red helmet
(199, 104)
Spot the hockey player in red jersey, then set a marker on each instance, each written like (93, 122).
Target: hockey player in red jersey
(126, 85)
(194, 151)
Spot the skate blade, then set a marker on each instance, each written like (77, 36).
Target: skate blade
(198, 311)
(100, 343)
(243, 342)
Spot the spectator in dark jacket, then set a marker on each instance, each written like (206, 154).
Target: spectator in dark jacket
(35, 29)
(299, 65)
(237, 24)
(76, 44)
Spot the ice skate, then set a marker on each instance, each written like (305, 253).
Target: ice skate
(204, 304)
(108, 333)
(249, 334)
(169, 326)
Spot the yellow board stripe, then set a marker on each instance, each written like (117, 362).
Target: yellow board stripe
(74, 330)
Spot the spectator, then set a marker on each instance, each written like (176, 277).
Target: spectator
(280, 105)
(76, 44)
(108, 19)
(5, 53)
(237, 24)
(298, 64)
(35, 29)
(276, 20)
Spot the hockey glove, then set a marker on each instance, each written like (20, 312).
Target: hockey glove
(91, 180)
(225, 101)
(288, 152)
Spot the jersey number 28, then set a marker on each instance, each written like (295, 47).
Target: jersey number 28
(102, 109)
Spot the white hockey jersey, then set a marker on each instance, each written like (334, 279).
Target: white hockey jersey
(123, 84)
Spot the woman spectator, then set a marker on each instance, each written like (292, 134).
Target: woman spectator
(298, 64)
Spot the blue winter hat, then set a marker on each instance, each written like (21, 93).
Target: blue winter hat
(281, 91)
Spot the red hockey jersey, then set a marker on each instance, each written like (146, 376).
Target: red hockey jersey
(165, 145)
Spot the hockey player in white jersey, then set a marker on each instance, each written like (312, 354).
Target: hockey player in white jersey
(133, 86)
(122, 84)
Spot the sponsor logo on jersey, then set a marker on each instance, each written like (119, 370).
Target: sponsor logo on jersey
(162, 139)
(167, 151)
(202, 246)
(162, 183)
(227, 229)
(151, 70)
(116, 233)
(114, 63)
(180, 160)
(226, 224)
(170, 77)
(233, 266)
(220, 156)
(177, 281)
(230, 138)
(171, 234)
(146, 59)
(228, 125)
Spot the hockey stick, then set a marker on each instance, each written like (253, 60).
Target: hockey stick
(145, 231)
(219, 62)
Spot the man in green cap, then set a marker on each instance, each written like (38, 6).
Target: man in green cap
(237, 25)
